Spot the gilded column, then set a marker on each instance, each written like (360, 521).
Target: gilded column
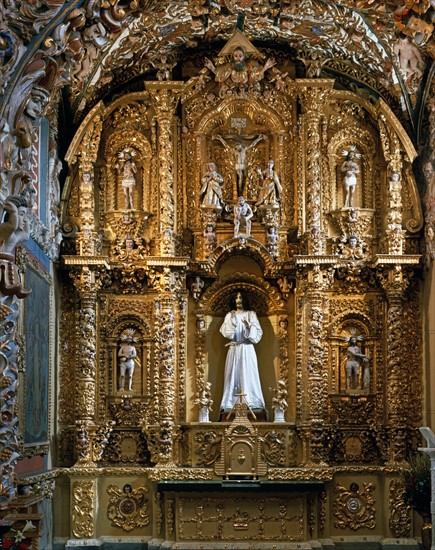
(313, 95)
(163, 433)
(85, 365)
(313, 367)
(395, 283)
(165, 102)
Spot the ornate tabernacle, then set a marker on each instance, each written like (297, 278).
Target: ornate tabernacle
(239, 231)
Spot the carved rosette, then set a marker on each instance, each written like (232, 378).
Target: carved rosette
(354, 509)
(313, 96)
(83, 509)
(128, 507)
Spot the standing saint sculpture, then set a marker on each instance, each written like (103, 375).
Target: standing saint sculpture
(355, 358)
(128, 180)
(241, 377)
(350, 170)
(211, 192)
(271, 187)
(127, 354)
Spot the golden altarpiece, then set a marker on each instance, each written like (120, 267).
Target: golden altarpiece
(328, 258)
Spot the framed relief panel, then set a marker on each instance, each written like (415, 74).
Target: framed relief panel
(35, 424)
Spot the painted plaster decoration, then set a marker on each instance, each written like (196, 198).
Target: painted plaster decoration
(242, 216)
(271, 188)
(211, 192)
(238, 152)
(11, 50)
(164, 65)
(357, 365)
(127, 355)
(350, 170)
(409, 59)
(15, 227)
(26, 121)
(205, 403)
(128, 169)
(94, 39)
(241, 74)
(279, 401)
(196, 288)
(241, 376)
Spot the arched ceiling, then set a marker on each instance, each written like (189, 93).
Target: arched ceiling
(93, 48)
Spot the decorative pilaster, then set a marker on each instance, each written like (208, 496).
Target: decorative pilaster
(395, 282)
(166, 97)
(314, 358)
(313, 95)
(87, 239)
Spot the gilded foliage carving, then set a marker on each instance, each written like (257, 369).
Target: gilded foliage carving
(354, 509)
(128, 507)
(126, 447)
(83, 495)
(208, 447)
(273, 450)
(400, 516)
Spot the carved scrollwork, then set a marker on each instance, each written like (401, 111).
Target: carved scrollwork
(128, 507)
(354, 509)
(400, 517)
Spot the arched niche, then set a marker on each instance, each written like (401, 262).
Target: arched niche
(251, 123)
(347, 326)
(363, 143)
(211, 348)
(118, 146)
(143, 342)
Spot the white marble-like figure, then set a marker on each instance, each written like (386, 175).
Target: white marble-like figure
(349, 169)
(409, 58)
(243, 330)
(127, 353)
(242, 213)
(271, 187)
(212, 182)
(128, 181)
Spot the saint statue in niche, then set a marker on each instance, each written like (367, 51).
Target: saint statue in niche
(350, 170)
(128, 181)
(241, 377)
(127, 354)
(355, 359)
(242, 214)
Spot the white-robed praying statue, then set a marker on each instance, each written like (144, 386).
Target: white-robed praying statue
(243, 330)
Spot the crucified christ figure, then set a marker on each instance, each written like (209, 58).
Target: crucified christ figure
(238, 153)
